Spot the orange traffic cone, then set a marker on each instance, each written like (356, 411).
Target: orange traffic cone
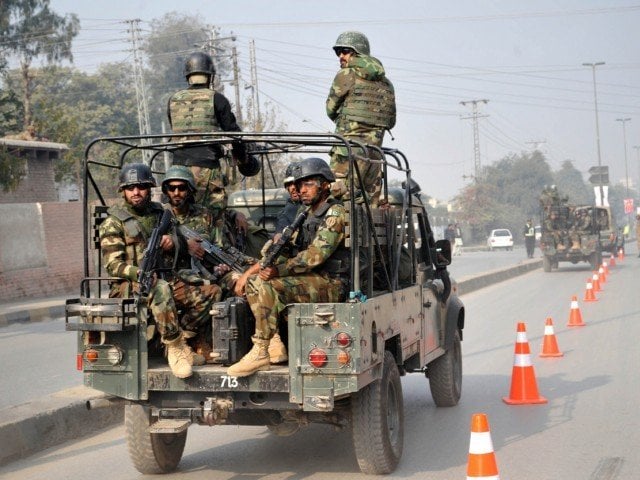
(612, 261)
(524, 388)
(575, 316)
(601, 275)
(549, 342)
(482, 460)
(595, 282)
(589, 296)
(621, 254)
(605, 266)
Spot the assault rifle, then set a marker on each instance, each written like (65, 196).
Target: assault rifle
(230, 256)
(149, 263)
(276, 247)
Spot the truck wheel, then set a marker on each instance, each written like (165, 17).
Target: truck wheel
(445, 375)
(595, 260)
(546, 264)
(377, 418)
(151, 453)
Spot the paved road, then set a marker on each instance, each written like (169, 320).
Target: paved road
(587, 430)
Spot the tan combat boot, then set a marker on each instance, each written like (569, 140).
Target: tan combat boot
(195, 358)
(180, 357)
(277, 350)
(257, 359)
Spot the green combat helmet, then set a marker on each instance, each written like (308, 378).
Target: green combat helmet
(355, 40)
(312, 167)
(179, 172)
(136, 173)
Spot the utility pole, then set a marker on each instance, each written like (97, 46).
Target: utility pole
(138, 76)
(595, 101)
(535, 144)
(476, 136)
(236, 81)
(637, 147)
(626, 163)
(254, 85)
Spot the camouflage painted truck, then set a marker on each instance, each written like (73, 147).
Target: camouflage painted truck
(402, 315)
(570, 233)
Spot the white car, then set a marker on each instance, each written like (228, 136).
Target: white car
(500, 238)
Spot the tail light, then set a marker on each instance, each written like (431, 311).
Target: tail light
(318, 357)
(343, 339)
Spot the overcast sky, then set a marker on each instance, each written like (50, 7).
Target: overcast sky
(524, 57)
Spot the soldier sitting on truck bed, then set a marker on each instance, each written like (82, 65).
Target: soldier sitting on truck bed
(317, 273)
(123, 239)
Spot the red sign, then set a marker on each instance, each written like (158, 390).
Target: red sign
(628, 205)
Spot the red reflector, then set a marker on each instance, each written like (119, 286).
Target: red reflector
(318, 357)
(343, 339)
(79, 362)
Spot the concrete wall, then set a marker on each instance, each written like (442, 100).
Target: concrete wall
(40, 249)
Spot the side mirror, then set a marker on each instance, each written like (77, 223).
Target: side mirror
(442, 254)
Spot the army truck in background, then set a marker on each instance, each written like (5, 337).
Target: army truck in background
(610, 240)
(570, 233)
(402, 315)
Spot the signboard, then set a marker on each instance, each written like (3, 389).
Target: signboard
(628, 205)
(599, 175)
(601, 200)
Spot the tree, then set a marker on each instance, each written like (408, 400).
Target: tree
(29, 30)
(570, 182)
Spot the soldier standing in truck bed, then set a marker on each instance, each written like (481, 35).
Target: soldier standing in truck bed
(362, 104)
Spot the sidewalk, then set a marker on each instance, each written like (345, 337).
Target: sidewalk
(32, 309)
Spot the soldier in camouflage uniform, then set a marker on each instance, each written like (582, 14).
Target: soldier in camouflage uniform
(123, 238)
(317, 273)
(192, 292)
(200, 109)
(362, 104)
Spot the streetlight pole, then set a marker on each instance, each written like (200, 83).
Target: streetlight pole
(626, 163)
(637, 147)
(595, 101)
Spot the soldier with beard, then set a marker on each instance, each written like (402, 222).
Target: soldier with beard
(123, 238)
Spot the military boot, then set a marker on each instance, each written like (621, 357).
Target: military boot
(277, 350)
(195, 358)
(179, 356)
(257, 359)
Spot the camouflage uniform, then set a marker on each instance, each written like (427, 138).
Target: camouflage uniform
(123, 238)
(318, 273)
(192, 293)
(198, 109)
(362, 104)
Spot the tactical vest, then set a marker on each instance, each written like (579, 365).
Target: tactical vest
(136, 233)
(192, 111)
(338, 264)
(370, 102)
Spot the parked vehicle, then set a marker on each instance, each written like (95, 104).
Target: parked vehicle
(500, 238)
(401, 315)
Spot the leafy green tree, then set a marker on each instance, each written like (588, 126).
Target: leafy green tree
(33, 30)
(570, 182)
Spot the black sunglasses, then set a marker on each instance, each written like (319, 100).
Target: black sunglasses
(344, 51)
(172, 188)
(139, 186)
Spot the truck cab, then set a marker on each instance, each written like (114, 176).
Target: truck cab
(402, 316)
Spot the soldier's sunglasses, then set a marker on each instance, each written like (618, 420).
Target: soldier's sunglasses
(344, 51)
(172, 188)
(139, 186)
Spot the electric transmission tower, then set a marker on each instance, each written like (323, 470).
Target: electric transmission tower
(476, 136)
(141, 94)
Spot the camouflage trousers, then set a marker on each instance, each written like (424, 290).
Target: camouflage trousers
(370, 176)
(166, 298)
(268, 299)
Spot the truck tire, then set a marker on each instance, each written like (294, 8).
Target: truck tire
(445, 375)
(377, 421)
(546, 264)
(151, 453)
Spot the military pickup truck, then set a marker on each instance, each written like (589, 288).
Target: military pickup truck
(346, 360)
(570, 233)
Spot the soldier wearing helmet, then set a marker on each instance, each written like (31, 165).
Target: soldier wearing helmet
(362, 104)
(123, 240)
(318, 272)
(288, 214)
(200, 109)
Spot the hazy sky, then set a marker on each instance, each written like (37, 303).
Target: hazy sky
(524, 57)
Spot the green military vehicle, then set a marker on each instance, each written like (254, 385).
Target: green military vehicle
(570, 233)
(346, 360)
(608, 230)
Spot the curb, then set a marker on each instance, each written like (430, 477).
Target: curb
(51, 420)
(40, 310)
(62, 416)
